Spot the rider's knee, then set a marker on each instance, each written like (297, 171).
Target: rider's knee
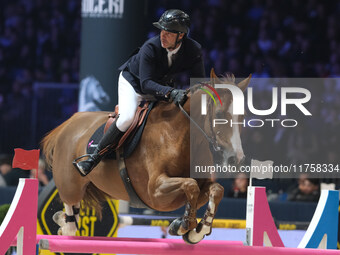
(125, 121)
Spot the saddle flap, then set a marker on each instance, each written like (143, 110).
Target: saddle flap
(131, 138)
(137, 121)
(134, 140)
(112, 118)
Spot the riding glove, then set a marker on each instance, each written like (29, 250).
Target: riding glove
(178, 96)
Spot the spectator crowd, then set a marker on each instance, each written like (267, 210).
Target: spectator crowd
(39, 42)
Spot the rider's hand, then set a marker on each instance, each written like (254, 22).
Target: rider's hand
(178, 96)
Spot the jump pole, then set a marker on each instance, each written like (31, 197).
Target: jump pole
(260, 226)
(321, 233)
(21, 219)
(165, 248)
(128, 239)
(23, 215)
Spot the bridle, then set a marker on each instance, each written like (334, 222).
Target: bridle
(213, 144)
(211, 139)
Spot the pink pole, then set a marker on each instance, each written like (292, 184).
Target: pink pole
(21, 219)
(130, 247)
(263, 220)
(163, 248)
(114, 239)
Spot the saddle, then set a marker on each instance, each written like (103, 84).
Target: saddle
(127, 144)
(130, 139)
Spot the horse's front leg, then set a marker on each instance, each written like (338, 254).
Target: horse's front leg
(181, 226)
(216, 192)
(170, 191)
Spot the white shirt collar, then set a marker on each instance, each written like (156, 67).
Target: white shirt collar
(174, 51)
(170, 53)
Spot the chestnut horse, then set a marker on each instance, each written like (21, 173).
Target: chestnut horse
(159, 168)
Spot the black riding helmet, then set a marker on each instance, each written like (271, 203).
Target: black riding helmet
(175, 21)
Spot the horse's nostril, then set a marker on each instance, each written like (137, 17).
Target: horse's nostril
(232, 160)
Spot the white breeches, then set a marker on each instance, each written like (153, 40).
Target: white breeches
(128, 101)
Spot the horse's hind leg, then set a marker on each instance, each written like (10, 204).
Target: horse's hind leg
(216, 192)
(172, 190)
(71, 191)
(68, 220)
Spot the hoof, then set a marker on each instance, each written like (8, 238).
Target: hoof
(187, 240)
(59, 218)
(188, 237)
(66, 228)
(174, 227)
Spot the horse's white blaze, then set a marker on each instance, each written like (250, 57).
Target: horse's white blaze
(236, 137)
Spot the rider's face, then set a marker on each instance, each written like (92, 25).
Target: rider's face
(168, 39)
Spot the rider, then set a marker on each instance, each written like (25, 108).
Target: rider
(147, 75)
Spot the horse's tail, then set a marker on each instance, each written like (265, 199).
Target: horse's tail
(49, 141)
(94, 198)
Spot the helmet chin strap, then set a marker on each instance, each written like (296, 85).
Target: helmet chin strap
(176, 43)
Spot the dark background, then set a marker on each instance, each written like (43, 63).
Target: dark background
(40, 42)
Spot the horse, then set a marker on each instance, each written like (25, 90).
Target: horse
(159, 167)
(91, 95)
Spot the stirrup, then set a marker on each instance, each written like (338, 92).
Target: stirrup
(75, 163)
(83, 156)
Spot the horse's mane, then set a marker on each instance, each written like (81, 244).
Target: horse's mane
(228, 78)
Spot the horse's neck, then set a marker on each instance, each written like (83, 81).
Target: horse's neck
(194, 102)
(186, 106)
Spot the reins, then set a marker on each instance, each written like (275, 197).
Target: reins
(211, 140)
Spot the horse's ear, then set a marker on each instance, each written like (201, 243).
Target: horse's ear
(244, 84)
(213, 77)
(212, 74)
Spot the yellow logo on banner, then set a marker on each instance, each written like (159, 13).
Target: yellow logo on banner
(89, 223)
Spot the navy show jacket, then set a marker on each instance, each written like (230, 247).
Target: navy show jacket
(148, 72)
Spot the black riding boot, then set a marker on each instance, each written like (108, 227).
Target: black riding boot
(111, 137)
